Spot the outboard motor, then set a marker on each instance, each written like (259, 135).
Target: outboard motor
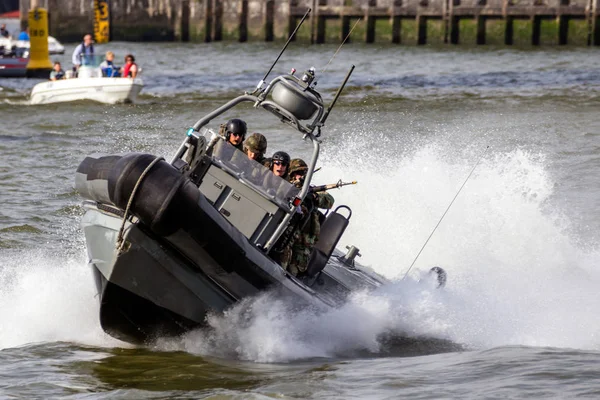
(331, 231)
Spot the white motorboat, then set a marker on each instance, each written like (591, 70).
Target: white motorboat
(88, 85)
(10, 46)
(54, 46)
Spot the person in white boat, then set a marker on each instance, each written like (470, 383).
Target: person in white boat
(57, 72)
(24, 35)
(108, 66)
(3, 32)
(83, 53)
(130, 69)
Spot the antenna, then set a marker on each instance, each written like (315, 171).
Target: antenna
(262, 81)
(339, 48)
(337, 94)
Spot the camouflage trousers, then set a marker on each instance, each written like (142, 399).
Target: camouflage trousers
(296, 254)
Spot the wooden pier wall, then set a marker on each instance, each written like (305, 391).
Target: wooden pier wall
(242, 20)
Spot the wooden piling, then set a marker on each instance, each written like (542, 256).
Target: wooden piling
(509, 23)
(320, 34)
(454, 29)
(421, 30)
(185, 21)
(536, 30)
(370, 30)
(481, 29)
(563, 29)
(292, 19)
(345, 29)
(218, 34)
(243, 30)
(208, 19)
(396, 29)
(269, 20)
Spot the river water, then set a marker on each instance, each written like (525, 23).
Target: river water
(517, 319)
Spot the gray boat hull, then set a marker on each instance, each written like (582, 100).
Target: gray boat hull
(166, 286)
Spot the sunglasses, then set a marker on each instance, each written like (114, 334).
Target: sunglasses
(279, 163)
(235, 134)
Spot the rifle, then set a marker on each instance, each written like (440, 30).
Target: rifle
(339, 184)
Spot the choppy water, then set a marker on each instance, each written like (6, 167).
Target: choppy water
(518, 318)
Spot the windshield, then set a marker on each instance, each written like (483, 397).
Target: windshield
(91, 60)
(253, 174)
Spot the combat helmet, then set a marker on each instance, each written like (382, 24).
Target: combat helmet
(235, 125)
(297, 165)
(256, 143)
(282, 156)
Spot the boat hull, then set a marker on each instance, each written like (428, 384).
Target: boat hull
(13, 67)
(148, 290)
(103, 90)
(166, 286)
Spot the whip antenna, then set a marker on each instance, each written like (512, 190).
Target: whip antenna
(339, 48)
(445, 212)
(262, 81)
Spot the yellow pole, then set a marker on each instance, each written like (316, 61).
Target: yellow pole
(101, 21)
(39, 65)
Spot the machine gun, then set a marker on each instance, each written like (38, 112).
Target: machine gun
(338, 184)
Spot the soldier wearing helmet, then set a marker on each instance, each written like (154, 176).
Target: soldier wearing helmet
(279, 164)
(235, 132)
(297, 171)
(296, 253)
(255, 147)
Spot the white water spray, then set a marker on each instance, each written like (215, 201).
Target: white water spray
(47, 297)
(515, 276)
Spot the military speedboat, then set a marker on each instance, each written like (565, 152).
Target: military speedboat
(171, 241)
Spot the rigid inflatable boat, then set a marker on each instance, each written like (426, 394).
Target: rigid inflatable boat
(169, 242)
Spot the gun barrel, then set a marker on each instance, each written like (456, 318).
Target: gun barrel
(331, 186)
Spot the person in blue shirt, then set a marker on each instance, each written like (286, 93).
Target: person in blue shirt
(84, 52)
(24, 35)
(108, 66)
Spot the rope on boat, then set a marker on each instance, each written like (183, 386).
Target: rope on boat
(120, 241)
(339, 48)
(447, 209)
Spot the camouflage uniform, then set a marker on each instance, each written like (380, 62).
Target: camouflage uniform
(296, 254)
(256, 143)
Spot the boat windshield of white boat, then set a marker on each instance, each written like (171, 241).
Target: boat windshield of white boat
(90, 66)
(253, 174)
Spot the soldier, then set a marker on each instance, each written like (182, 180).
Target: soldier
(255, 147)
(276, 183)
(306, 230)
(279, 164)
(235, 132)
